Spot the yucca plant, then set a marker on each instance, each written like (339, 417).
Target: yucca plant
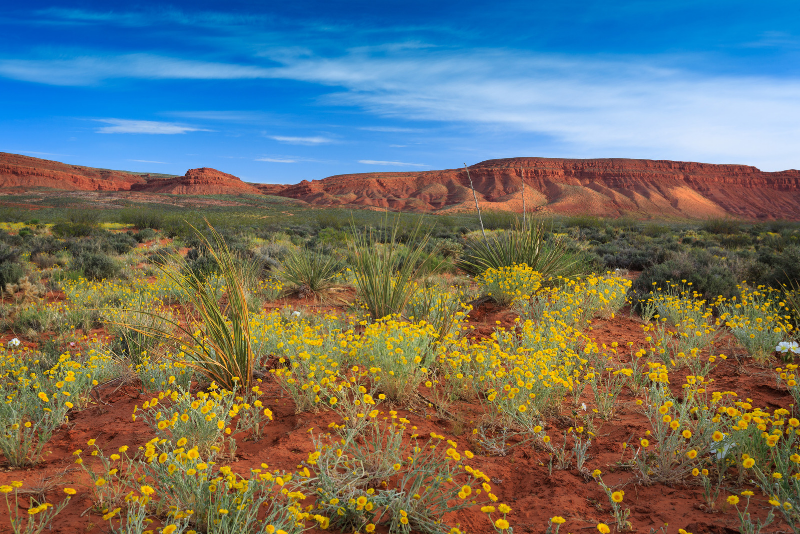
(309, 271)
(385, 272)
(215, 338)
(523, 244)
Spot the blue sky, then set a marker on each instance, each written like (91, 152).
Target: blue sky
(277, 92)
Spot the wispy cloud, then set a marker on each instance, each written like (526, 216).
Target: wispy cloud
(222, 116)
(391, 163)
(124, 126)
(90, 70)
(277, 160)
(317, 140)
(147, 161)
(389, 129)
(589, 107)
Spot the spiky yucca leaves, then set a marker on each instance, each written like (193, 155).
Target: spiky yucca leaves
(309, 271)
(215, 338)
(523, 244)
(384, 273)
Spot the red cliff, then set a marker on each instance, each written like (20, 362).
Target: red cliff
(23, 171)
(203, 181)
(603, 187)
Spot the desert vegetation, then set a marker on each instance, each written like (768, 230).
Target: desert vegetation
(353, 372)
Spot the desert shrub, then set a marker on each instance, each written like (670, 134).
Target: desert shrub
(583, 221)
(216, 335)
(655, 230)
(499, 220)
(200, 265)
(782, 268)
(95, 265)
(70, 229)
(83, 216)
(120, 243)
(523, 245)
(10, 269)
(142, 218)
(143, 235)
(709, 275)
(309, 271)
(722, 226)
(43, 260)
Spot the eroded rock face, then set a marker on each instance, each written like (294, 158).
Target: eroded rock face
(203, 181)
(603, 187)
(24, 172)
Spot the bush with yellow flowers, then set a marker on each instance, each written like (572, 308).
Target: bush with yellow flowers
(188, 490)
(39, 515)
(401, 351)
(679, 324)
(758, 319)
(203, 419)
(683, 430)
(509, 284)
(439, 305)
(789, 377)
(34, 404)
(377, 479)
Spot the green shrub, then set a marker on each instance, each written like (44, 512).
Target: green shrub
(121, 243)
(95, 265)
(142, 218)
(69, 229)
(722, 226)
(709, 275)
(143, 235)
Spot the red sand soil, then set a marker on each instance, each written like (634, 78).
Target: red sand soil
(521, 478)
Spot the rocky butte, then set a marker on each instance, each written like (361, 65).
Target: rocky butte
(603, 187)
(24, 172)
(203, 181)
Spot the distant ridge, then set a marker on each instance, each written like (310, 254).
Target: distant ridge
(603, 187)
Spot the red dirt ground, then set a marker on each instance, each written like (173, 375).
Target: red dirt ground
(520, 479)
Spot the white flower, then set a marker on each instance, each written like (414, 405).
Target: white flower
(13, 343)
(786, 346)
(295, 314)
(583, 405)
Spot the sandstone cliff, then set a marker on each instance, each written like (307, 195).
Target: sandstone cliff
(23, 171)
(203, 181)
(603, 187)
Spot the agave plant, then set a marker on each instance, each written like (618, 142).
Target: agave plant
(523, 244)
(385, 272)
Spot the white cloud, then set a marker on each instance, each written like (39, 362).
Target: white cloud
(144, 127)
(389, 129)
(570, 106)
(90, 70)
(277, 160)
(391, 163)
(318, 140)
(581, 106)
